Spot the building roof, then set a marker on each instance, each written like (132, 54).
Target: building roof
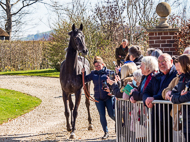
(3, 33)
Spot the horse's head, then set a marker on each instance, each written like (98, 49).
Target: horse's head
(78, 39)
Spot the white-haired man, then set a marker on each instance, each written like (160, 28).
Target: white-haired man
(153, 91)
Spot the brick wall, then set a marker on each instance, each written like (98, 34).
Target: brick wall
(163, 39)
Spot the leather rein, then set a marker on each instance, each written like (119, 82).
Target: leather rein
(86, 92)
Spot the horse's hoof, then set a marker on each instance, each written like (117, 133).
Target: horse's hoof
(72, 136)
(69, 129)
(90, 127)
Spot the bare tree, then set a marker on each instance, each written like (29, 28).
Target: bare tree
(109, 15)
(13, 8)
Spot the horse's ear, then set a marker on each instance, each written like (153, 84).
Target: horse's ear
(73, 27)
(81, 26)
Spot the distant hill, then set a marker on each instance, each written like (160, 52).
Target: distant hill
(38, 36)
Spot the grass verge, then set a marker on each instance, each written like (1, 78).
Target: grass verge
(14, 104)
(43, 72)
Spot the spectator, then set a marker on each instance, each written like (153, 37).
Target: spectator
(149, 67)
(126, 76)
(153, 91)
(121, 52)
(105, 101)
(187, 50)
(118, 68)
(156, 53)
(167, 91)
(135, 82)
(127, 70)
(137, 78)
(149, 51)
(135, 55)
(181, 92)
(136, 110)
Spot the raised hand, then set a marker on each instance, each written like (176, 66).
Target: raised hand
(109, 81)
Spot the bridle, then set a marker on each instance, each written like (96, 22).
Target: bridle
(75, 38)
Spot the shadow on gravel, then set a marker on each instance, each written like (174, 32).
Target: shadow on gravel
(58, 137)
(58, 97)
(13, 76)
(25, 138)
(71, 95)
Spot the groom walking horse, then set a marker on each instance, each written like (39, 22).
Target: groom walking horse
(71, 78)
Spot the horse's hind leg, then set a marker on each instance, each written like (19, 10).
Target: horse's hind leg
(65, 100)
(87, 102)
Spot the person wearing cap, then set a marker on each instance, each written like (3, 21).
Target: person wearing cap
(105, 101)
(121, 52)
(149, 51)
(156, 53)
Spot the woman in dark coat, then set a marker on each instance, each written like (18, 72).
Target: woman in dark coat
(121, 51)
(149, 66)
(104, 100)
(181, 92)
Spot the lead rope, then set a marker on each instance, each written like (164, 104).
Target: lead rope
(84, 87)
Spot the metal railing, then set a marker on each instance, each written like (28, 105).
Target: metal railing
(162, 123)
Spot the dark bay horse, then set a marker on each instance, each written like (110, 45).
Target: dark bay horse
(71, 78)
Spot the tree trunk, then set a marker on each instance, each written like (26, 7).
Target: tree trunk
(8, 25)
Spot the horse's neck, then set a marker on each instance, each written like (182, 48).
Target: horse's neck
(71, 60)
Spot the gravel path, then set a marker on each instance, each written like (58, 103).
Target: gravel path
(47, 121)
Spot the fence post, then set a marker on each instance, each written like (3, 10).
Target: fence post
(149, 125)
(116, 102)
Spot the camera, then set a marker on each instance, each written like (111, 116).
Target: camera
(104, 84)
(112, 75)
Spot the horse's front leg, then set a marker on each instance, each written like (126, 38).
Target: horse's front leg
(87, 102)
(65, 100)
(75, 111)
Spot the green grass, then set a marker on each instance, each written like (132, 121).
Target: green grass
(44, 73)
(14, 104)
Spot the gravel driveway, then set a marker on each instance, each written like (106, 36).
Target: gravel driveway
(47, 121)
